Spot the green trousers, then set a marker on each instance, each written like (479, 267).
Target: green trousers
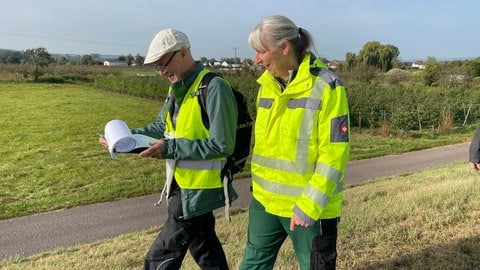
(266, 234)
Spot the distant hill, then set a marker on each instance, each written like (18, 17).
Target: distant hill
(71, 56)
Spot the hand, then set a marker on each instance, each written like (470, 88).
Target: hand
(154, 151)
(103, 142)
(296, 221)
(474, 166)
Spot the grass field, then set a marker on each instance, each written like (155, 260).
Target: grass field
(51, 159)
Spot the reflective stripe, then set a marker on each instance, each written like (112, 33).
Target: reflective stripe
(311, 192)
(201, 164)
(277, 188)
(317, 196)
(305, 103)
(307, 125)
(265, 103)
(330, 173)
(320, 168)
(282, 165)
(331, 78)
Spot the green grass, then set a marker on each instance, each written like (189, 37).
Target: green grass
(364, 145)
(426, 220)
(50, 157)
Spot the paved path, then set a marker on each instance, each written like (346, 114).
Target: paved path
(33, 234)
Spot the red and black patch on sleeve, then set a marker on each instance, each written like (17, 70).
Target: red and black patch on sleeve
(339, 129)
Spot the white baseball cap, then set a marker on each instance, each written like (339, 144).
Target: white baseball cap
(167, 40)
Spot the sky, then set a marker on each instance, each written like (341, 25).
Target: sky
(219, 28)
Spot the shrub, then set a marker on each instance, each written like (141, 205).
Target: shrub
(153, 87)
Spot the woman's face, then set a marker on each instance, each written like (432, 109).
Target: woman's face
(273, 60)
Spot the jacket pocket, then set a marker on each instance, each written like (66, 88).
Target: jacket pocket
(196, 202)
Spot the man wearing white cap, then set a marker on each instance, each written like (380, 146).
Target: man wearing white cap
(195, 150)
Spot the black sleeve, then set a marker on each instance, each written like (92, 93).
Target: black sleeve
(474, 153)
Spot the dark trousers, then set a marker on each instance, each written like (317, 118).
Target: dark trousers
(324, 246)
(177, 236)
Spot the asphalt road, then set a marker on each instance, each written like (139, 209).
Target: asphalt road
(37, 233)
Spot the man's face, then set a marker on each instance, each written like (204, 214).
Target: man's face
(168, 66)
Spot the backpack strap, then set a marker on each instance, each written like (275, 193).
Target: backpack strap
(201, 93)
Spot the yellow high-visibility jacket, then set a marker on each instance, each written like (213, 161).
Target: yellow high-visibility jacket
(194, 174)
(199, 152)
(301, 143)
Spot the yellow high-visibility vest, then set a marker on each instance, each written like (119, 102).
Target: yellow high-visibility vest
(193, 174)
(301, 143)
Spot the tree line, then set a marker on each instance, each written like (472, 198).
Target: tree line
(25, 57)
(382, 92)
(22, 57)
(372, 59)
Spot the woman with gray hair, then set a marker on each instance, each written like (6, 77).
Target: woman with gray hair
(300, 153)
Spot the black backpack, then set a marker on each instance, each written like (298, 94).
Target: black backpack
(236, 161)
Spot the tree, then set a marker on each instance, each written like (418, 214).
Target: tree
(86, 60)
(40, 57)
(473, 67)
(432, 70)
(388, 55)
(378, 56)
(11, 57)
(248, 61)
(370, 54)
(129, 59)
(61, 60)
(139, 59)
(350, 61)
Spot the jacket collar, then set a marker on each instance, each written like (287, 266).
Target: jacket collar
(302, 76)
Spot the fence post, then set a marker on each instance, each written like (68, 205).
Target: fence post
(359, 122)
